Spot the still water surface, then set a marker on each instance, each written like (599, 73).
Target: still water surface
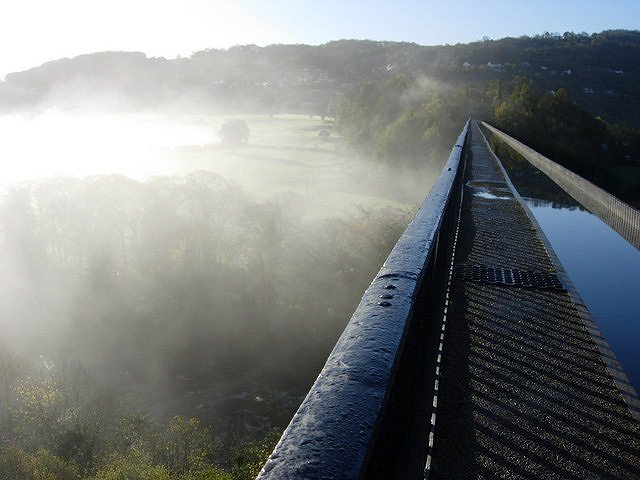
(604, 268)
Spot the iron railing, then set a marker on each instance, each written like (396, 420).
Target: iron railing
(623, 218)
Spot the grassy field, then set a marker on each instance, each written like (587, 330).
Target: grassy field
(287, 160)
(293, 159)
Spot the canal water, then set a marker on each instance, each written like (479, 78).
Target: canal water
(603, 266)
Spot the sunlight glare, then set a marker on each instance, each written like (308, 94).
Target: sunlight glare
(55, 143)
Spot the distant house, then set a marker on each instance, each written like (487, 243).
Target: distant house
(495, 66)
(588, 90)
(566, 72)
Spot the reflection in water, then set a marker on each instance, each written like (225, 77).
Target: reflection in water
(604, 267)
(568, 205)
(489, 190)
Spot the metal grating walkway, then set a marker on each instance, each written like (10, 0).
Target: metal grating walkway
(511, 277)
(523, 390)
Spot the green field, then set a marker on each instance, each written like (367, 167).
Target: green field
(287, 160)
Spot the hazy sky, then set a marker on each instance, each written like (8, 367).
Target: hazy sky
(34, 31)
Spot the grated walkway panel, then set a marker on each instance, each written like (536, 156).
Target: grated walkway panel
(523, 390)
(511, 277)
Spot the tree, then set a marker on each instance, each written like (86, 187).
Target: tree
(136, 465)
(248, 460)
(234, 133)
(42, 465)
(187, 446)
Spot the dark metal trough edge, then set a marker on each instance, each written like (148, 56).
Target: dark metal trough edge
(331, 434)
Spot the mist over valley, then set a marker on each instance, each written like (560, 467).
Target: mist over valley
(183, 240)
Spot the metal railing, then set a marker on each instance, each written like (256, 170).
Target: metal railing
(623, 218)
(367, 414)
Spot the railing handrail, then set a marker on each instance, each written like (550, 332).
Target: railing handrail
(331, 434)
(623, 218)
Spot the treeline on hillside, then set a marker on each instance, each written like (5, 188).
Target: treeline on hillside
(406, 121)
(599, 71)
(551, 123)
(175, 294)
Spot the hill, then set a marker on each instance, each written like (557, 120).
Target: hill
(600, 72)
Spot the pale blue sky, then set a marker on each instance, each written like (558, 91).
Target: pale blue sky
(34, 31)
(429, 22)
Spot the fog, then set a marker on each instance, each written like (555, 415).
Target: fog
(183, 240)
(54, 143)
(149, 268)
(173, 244)
(93, 201)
